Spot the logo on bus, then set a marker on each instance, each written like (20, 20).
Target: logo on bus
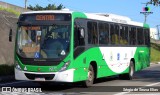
(51, 69)
(25, 68)
(37, 55)
(118, 56)
(111, 56)
(125, 56)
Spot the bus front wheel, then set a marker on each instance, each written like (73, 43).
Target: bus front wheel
(89, 81)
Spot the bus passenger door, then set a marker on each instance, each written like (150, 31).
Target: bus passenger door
(79, 55)
(78, 41)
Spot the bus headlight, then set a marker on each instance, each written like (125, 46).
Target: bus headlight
(17, 66)
(64, 66)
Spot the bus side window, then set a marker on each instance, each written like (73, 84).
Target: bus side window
(132, 35)
(78, 27)
(123, 35)
(92, 33)
(140, 36)
(103, 33)
(147, 37)
(114, 34)
(76, 42)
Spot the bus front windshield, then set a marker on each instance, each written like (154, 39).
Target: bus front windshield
(43, 41)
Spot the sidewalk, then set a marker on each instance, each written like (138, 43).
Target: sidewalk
(154, 63)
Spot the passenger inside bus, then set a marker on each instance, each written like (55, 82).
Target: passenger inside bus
(53, 44)
(103, 38)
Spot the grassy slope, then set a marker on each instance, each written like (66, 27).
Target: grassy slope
(10, 11)
(155, 52)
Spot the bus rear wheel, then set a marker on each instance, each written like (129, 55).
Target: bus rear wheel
(129, 75)
(89, 81)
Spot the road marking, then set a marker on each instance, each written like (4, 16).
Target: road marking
(122, 93)
(153, 84)
(12, 83)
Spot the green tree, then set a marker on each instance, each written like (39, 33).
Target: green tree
(60, 7)
(38, 7)
(154, 2)
(48, 7)
(30, 7)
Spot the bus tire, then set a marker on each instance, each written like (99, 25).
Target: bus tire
(90, 80)
(129, 75)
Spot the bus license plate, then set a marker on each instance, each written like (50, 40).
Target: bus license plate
(40, 79)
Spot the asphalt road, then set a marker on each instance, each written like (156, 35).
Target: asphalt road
(145, 82)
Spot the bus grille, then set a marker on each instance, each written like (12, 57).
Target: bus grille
(46, 76)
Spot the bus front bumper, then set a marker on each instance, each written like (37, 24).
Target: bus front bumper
(64, 76)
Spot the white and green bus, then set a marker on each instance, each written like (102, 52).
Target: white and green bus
(68, 46)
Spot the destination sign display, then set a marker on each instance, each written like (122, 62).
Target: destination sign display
(44, 17)
(30, 49)
(32, 28)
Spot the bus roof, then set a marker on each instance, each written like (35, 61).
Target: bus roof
(96, 16)
(113, 18)
(48, 11)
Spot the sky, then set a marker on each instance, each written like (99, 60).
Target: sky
(129, 8)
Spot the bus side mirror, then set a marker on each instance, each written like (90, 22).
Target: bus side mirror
(10, 35)
(81, 30)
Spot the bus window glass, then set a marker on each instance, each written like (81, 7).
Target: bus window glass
(123, 35)
(140, 36)
(132, 36)
(78, 41)
(92, 32)
(146, 33)
(43, 42)
(114, 34)
(103, 33)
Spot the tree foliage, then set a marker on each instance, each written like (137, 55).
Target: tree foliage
(154, 2)
(48, 7)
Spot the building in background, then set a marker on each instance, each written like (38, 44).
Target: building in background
(154, 33)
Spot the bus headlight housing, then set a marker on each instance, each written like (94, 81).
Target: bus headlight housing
(17, 66)
(65, 66)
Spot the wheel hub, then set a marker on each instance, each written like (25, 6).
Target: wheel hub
(90, 76)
